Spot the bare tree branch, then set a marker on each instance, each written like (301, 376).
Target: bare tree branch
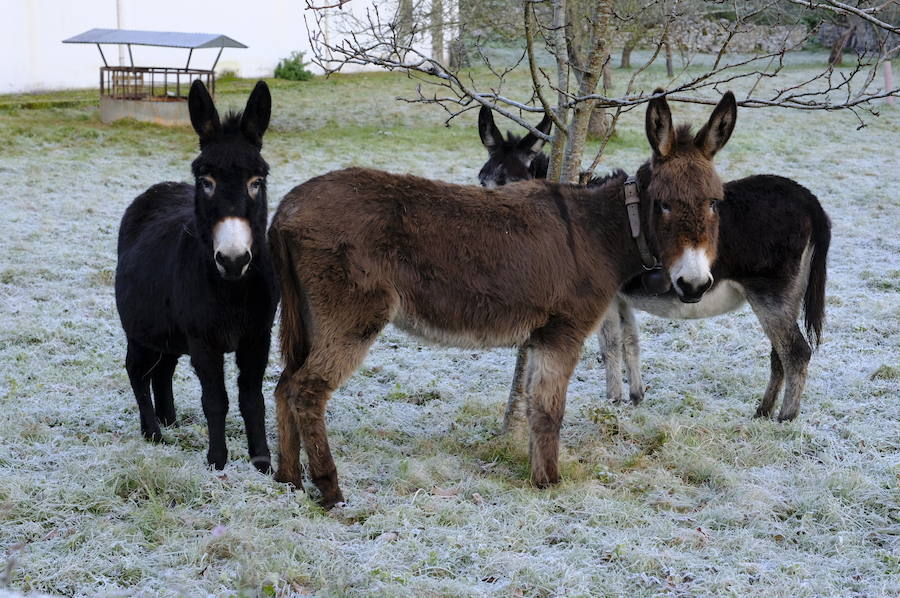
(845, 9)
(370, 38)
(338, 4)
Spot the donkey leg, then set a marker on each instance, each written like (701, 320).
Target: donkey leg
(252, 356)
(308, 406)
(780, 325)
(347, 326)
(513, 413)
(776, 380)
(209, 366)
(309, 389)
(290, 471)
(610, 340)
(161, 381)
(632, 351)
(796, 360)
(139, 363)
(552, 355)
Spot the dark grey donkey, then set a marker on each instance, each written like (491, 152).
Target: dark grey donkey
(772, 248)
(511, 159)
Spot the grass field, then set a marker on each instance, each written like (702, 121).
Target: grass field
(685, 495)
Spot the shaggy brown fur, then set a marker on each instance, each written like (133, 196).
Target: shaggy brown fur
(532, 264)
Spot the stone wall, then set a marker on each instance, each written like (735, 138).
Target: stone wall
(862, 40)
(704, 35)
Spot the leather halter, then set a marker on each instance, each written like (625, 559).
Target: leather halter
(633, 208)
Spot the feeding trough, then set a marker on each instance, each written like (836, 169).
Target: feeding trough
(151, 93)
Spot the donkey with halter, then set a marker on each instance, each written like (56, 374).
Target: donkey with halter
(194, 276)
(771, 252)
(533, 265)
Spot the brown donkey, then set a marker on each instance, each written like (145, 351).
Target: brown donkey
(533, 264)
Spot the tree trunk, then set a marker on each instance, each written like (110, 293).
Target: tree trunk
(598, 125)
(625, 63)
(404, 27)
(888, 79)
(600, 12)
(607, 76)
(437, 30)
(836, 58)
(560, 51)
(670, 68)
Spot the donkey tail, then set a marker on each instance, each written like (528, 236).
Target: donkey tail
(294, 329)
(814, 299)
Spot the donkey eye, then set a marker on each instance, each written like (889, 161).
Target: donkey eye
(665, 207)
(254, 185)
(714, 205)
(207, 184)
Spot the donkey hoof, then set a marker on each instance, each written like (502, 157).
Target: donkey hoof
(263, 464)
(762, 413)
(546, 480)
(786, 417)
(217, 461)
(636, 397)
(154, 436)
(331, 500)
(295, 482)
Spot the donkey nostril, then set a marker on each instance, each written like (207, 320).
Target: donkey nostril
(241, 260)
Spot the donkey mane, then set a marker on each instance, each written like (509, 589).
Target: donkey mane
(615, 175)
(684, 134)
(241, 155)
(231, 124)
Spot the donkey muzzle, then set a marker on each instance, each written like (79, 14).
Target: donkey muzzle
(232, 268)
(691, 274)
(232, 241)
(691, 293)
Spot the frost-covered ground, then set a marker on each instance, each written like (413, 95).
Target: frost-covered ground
(685, 495)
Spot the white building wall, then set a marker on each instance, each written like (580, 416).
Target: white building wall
(34, 57)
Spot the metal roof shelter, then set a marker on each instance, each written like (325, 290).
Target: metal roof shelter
(126, 90)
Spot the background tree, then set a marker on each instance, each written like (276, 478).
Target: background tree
(566, 46)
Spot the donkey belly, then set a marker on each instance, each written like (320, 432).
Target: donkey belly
(724, 297)
(467, 338)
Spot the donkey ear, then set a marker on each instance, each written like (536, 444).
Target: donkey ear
(491, 137)
(716, 132)
(203, 113)
(255, 119)
(660, 132)
(533, 144)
